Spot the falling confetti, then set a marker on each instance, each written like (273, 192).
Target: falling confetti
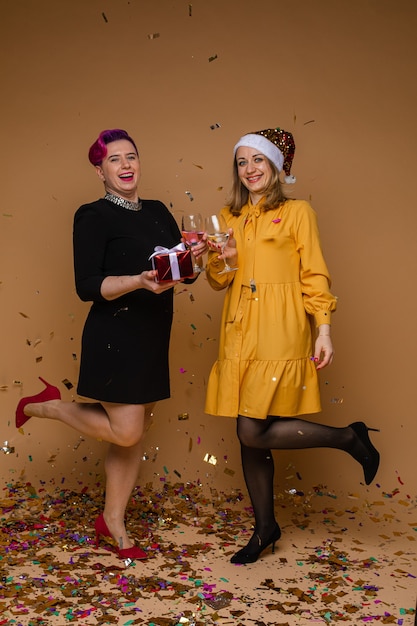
(7, 449)
(210, 458)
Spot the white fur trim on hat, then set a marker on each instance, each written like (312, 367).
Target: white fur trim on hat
(266, 147)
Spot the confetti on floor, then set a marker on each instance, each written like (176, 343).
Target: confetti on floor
(354, 564)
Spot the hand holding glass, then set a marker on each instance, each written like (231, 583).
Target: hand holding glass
(218, 232)
(192, 231)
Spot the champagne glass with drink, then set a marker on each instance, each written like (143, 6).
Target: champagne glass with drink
(192, 232)
(217, 232)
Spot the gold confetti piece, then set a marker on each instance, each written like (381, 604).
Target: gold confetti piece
(68, 384)
(210, 458)
(213, 58)
(103, 15)
(153, 36)
(190, 295)
(309, 122)
(220, 601)
(4, 387)
(24, 315)
(37, 342)
(38, 359)
(219, 188)
(199, 166)
(183, 416)
(214, 126)
(6, 448)
(190, 10)
(189, 194)
(229, 472)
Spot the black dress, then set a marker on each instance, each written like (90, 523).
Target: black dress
(125, 342)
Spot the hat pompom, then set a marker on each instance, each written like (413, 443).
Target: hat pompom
(290, 180)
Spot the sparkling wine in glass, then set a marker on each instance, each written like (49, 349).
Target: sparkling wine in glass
(217, 232)
(192, 232)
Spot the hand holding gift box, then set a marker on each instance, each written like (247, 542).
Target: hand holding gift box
(172, 263)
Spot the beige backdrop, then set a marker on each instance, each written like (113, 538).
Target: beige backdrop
(341, 76)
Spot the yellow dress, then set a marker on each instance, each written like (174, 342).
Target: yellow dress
(273, 302)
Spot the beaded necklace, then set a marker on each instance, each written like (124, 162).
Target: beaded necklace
(126, 204)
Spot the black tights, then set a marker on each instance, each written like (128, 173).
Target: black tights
(257, 438)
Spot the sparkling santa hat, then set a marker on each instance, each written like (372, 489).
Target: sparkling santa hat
(276, 144)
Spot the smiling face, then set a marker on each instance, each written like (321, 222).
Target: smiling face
(254, 171)
(120, 169)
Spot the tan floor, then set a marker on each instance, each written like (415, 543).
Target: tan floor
(352, 563)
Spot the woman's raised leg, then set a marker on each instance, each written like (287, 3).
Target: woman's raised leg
(258, 437)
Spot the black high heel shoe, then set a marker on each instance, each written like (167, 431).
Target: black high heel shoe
(370, 463)
(250, 554)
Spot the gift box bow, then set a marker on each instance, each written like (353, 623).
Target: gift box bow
(173, 259)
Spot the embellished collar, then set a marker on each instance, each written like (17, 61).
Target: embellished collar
(125, 204)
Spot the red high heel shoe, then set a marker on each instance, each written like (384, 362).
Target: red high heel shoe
(127, 553)
(49, 393)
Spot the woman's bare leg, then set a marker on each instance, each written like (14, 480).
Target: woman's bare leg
(123, 427)
(115, 423)
(122, 469)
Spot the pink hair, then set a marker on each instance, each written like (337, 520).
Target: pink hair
(98, 150)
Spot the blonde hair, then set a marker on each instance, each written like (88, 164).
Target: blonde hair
(239, 195)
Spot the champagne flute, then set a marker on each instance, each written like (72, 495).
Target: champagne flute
(217, 232)
(192, 231)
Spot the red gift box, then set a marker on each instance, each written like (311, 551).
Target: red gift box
(172, 263)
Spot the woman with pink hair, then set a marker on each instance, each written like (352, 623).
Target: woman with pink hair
(125, 342)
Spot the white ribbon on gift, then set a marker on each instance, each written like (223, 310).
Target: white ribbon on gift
(173, 259)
